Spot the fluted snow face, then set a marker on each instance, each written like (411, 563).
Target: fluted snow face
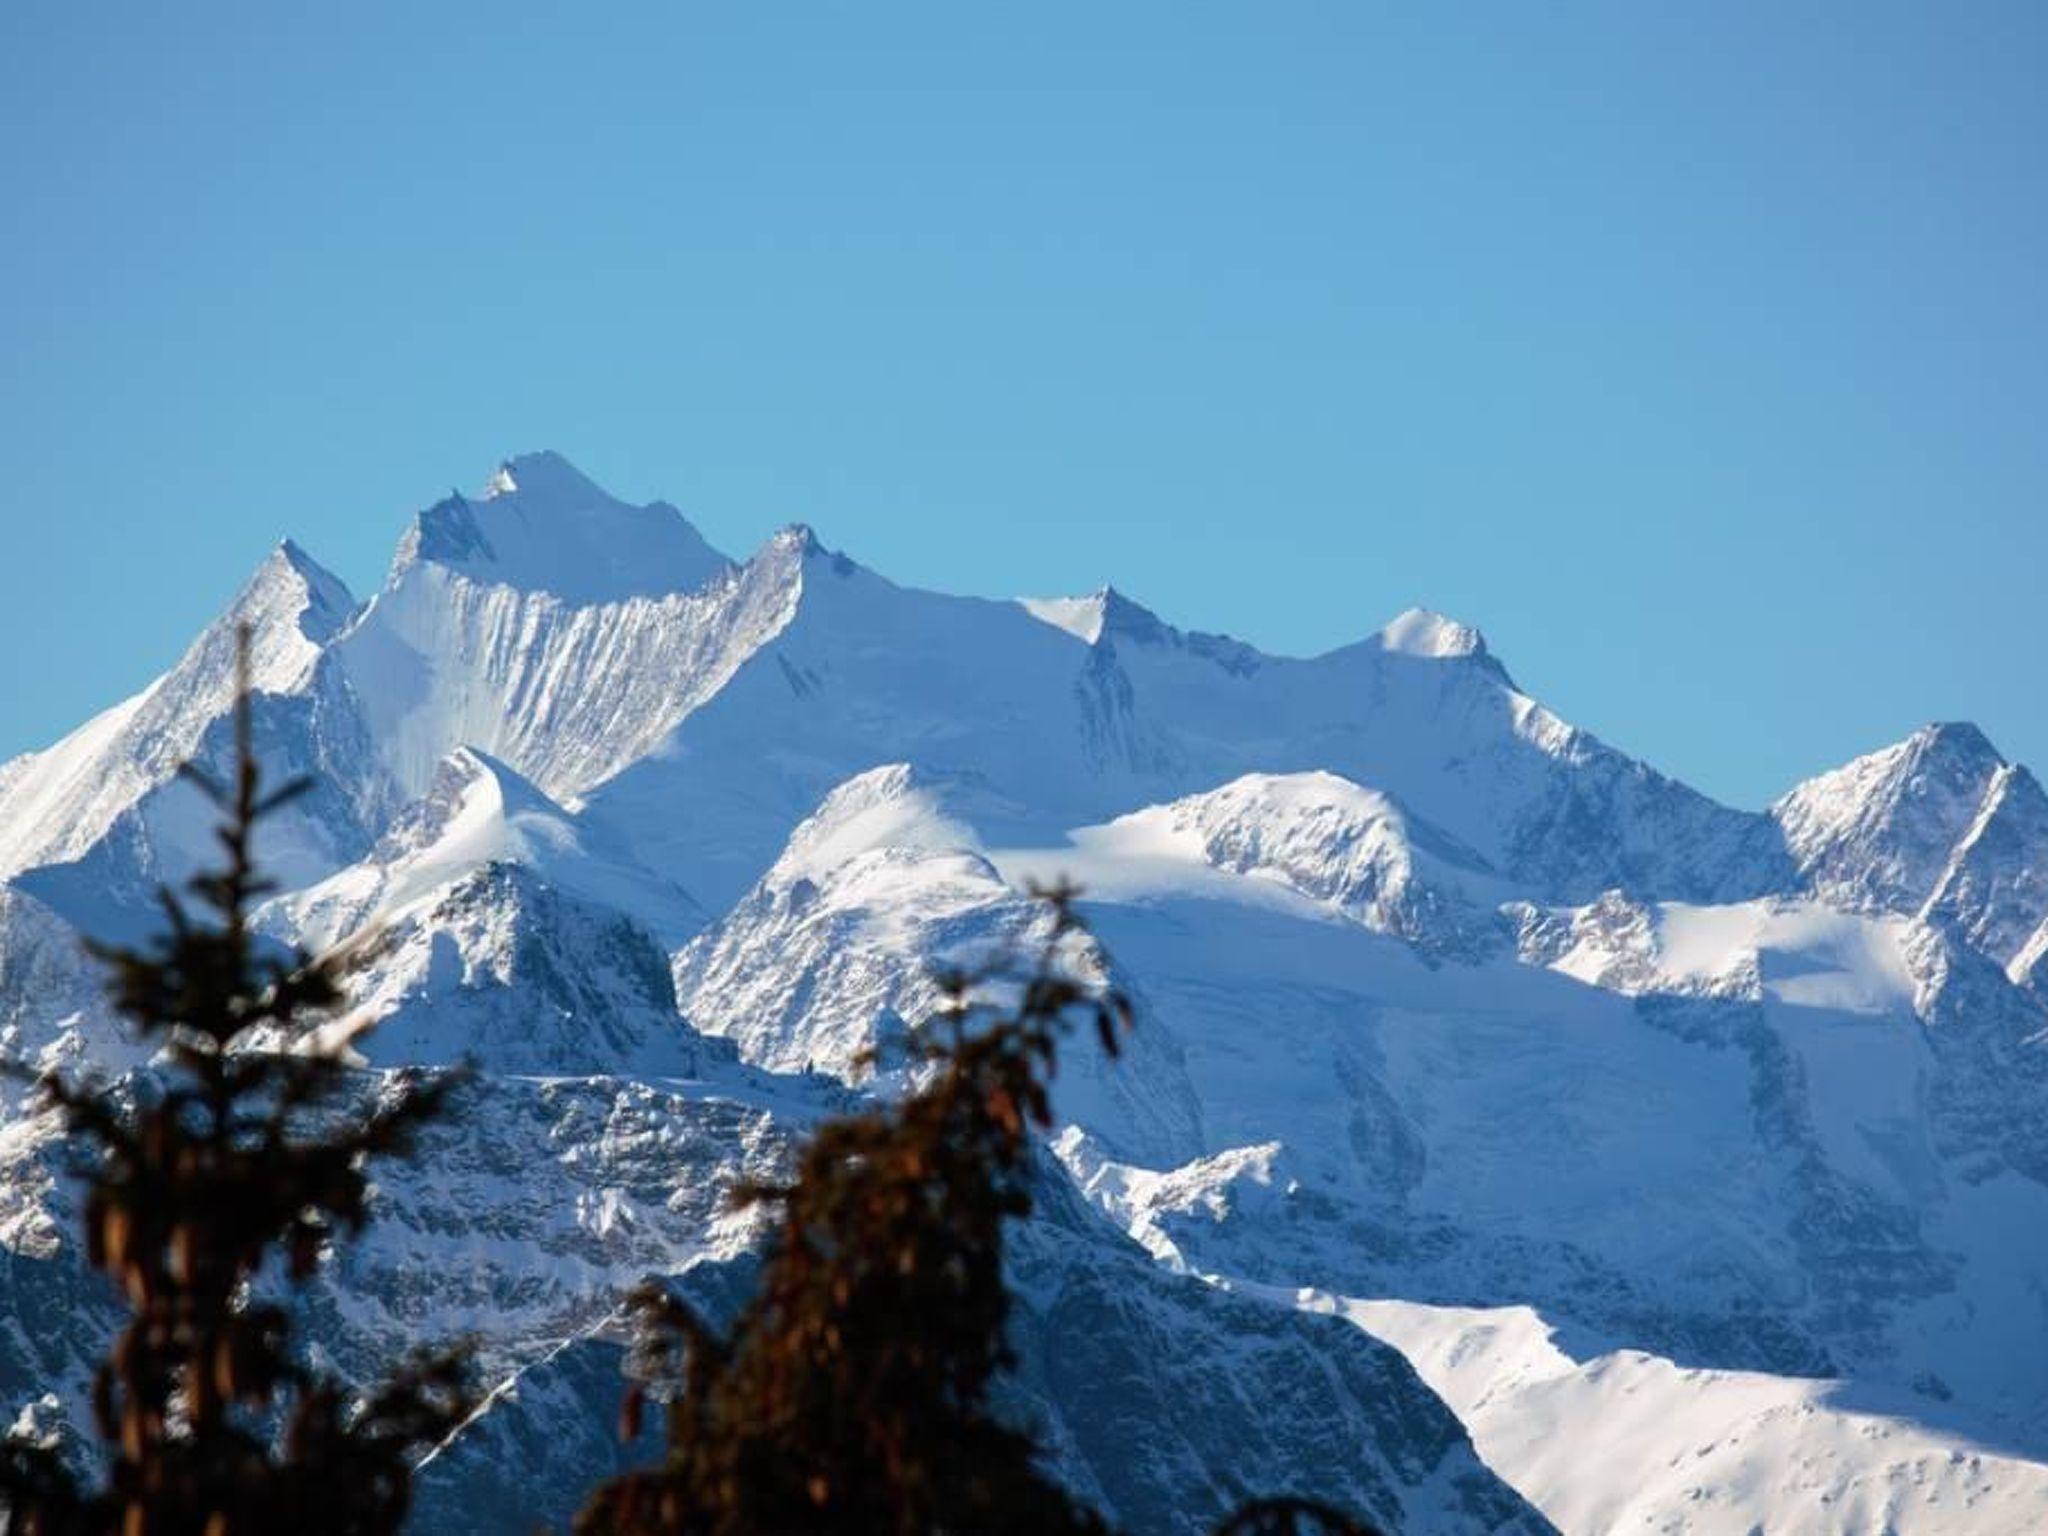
(567, 693)
(55, 805)
(1506, 1052)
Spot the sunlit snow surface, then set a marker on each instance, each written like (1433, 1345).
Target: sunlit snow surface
(1694, 1158)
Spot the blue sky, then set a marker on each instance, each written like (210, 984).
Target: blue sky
(1698, 354)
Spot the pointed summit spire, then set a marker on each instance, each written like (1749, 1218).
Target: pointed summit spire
(1103, 612)
(543, 526)
(545, 479)
(1121, 615)
(1879, 832)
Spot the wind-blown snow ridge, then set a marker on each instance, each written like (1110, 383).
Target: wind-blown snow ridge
(1641, 1121)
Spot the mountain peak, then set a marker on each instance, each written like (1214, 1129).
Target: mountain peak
(544, 478)
(1335, 841)
(1959, 742)
(1122, 615)
(795, 546)
(799, 539)
(1105, 611)
(1080, 617)
(1880, 831)
(325, 595)
(293, 606)
(541, 525)
(894, 806)
(1424, 632)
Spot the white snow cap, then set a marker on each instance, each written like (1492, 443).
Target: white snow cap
(542, 525)
(1105, 610)
(1421, 632)
(1080, 617)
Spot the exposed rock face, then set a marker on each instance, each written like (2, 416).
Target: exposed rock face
(1486, 1082)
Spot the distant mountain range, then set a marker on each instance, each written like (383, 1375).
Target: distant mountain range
(1512, 1135)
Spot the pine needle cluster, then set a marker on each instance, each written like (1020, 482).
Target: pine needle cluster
(852, 1393)
(235, 1157)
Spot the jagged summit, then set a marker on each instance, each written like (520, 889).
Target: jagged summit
(1938, 823)
(1439, 999)
(293, 606)
(1939, 772)
(798, 538)
(1942, 747)
(796, 543)
(291, 553)
(541, 525)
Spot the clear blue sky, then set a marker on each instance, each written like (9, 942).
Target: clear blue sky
(1697, 353)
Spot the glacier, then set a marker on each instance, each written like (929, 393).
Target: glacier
(1512, 1137)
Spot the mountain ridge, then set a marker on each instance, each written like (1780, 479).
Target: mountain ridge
(1452, 1018)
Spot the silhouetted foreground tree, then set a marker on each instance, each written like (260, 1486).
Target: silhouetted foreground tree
(852, 1392)
(239, 1151)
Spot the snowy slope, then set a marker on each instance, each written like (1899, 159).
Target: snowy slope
(55, 805)
(550, 626)
(1695, 1160)
(1703, 1449)
(541, 526)
(1073, 729)
(835, 950)
(1938, 823)
(478, 812)
(1994, 888)
(1333, 841)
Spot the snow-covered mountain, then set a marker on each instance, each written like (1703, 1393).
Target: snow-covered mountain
(1939, 824)
(1510, 1135)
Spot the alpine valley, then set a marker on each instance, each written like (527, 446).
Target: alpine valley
(1511, 1138)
